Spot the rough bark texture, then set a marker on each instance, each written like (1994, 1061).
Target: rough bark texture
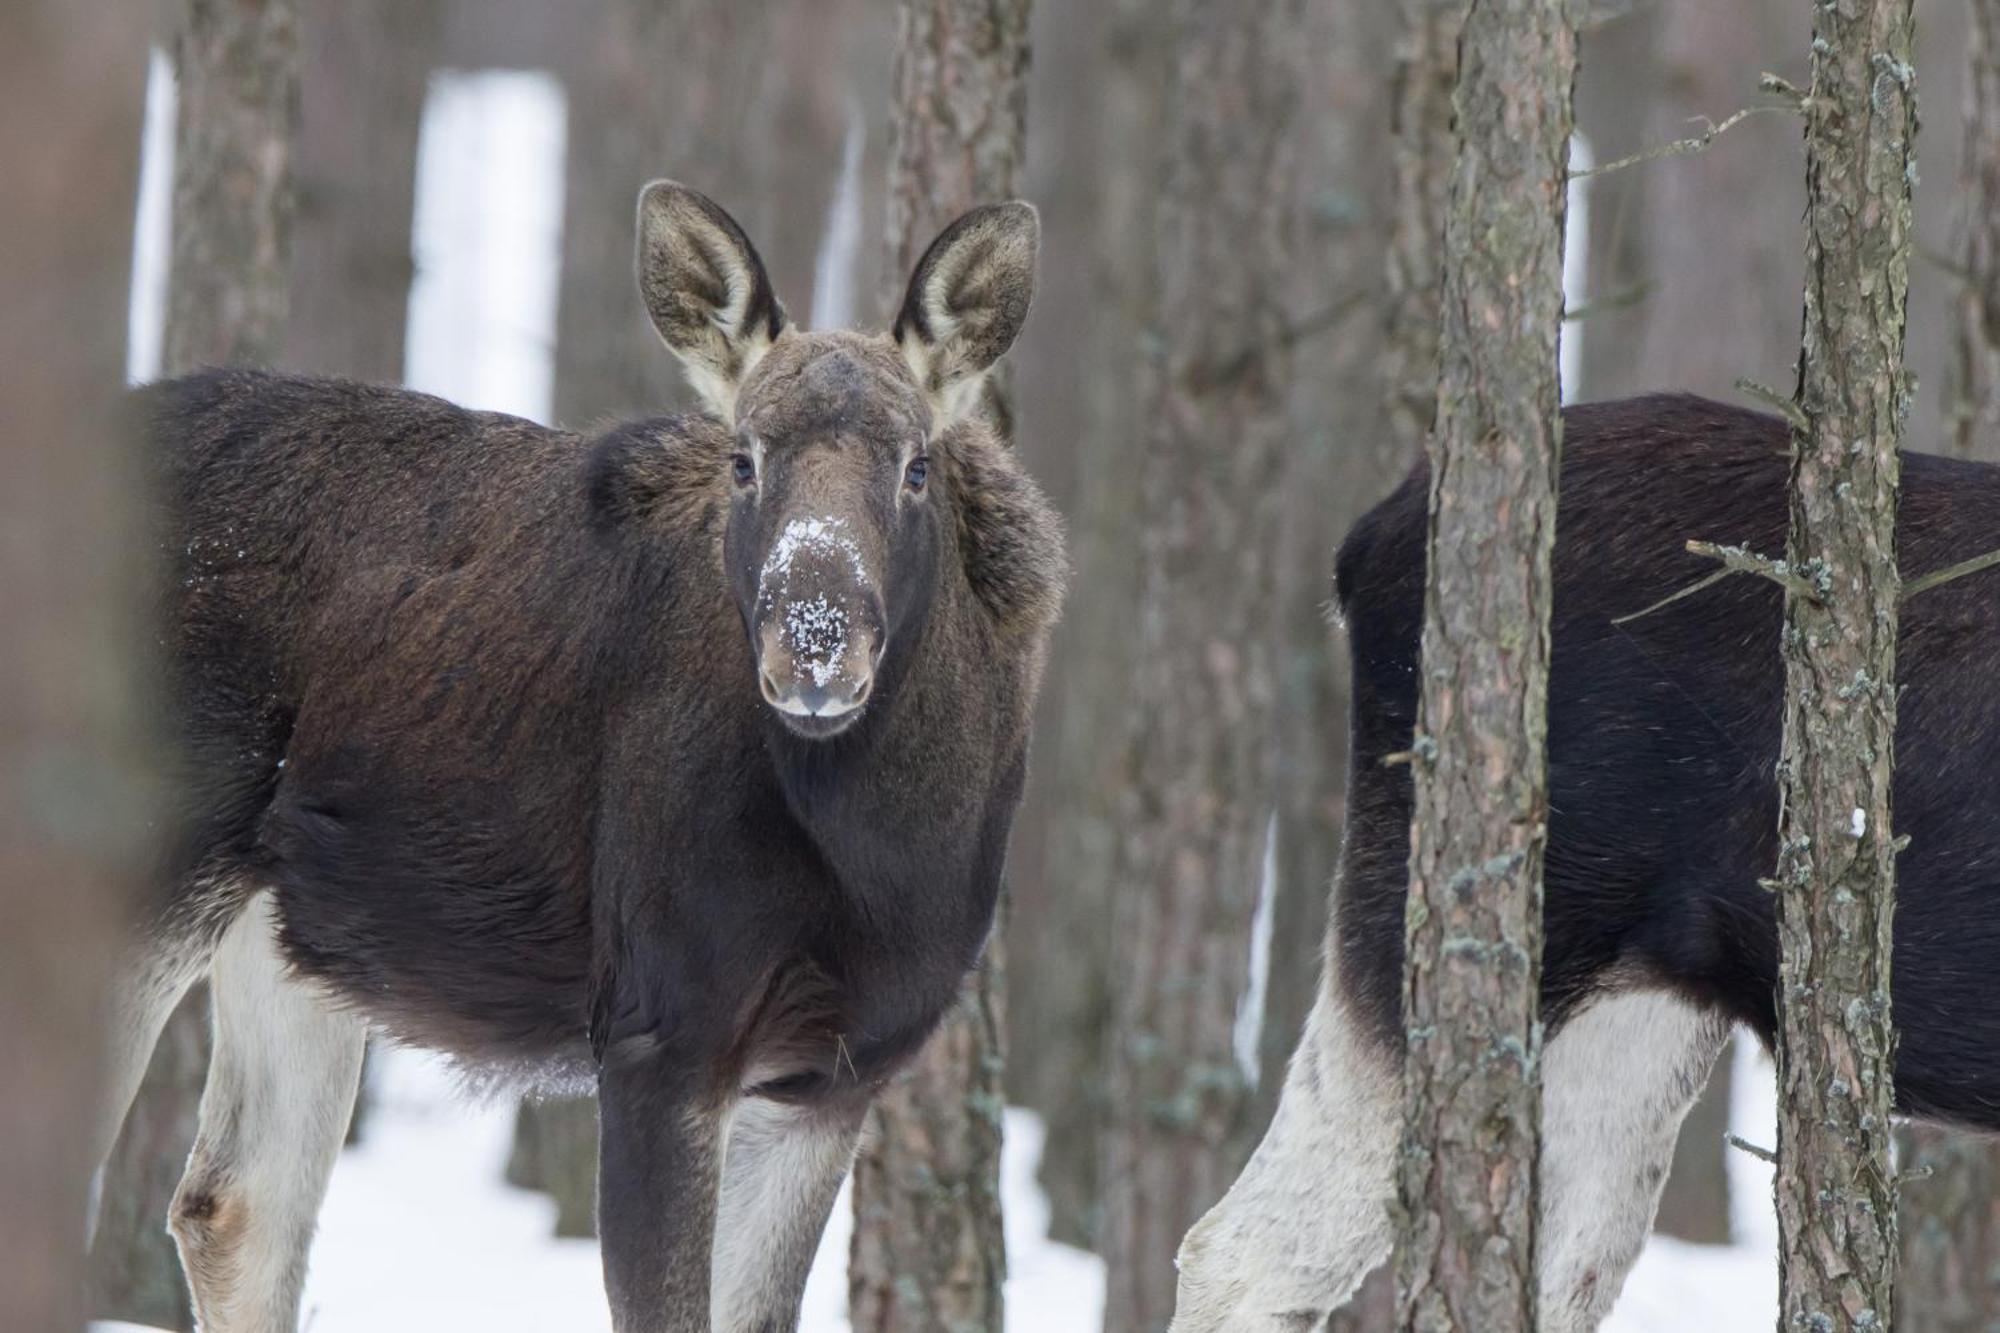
(73, 807)
(1081, 762)
(1972, 384)
(236, 66)
(1835, 878)
(1426, 73)
(1471, 1095)
(928, 1249)
(363, 78)
(1196, 812)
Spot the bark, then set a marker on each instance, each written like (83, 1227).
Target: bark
(1201, 701)
(1426, 72)
(1471, 1095)
(74, 798)
(364, 76)
(1972, 381)
(1835, 877)
(236, 67)
(1081, 762)
(928, 1248)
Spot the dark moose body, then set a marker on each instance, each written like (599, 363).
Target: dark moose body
(682, 757)
(1664, 731)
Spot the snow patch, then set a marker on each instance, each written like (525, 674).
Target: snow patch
(1858, 825)
(816, 631)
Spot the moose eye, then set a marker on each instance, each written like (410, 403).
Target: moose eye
(745, 470)
(917, 473)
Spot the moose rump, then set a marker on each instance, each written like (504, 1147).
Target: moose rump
(679, 759)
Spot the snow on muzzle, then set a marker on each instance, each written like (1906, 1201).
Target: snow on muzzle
(818, 630)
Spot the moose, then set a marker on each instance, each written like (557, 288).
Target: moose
(1664, 723)
(678, 760)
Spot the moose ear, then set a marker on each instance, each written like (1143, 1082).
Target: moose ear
(967, 301)
(706, 291)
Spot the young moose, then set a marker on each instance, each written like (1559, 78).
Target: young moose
(682, 757)
(1663, 819)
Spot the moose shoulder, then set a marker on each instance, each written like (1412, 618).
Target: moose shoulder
(682, 757)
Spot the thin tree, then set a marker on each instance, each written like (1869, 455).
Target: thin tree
(364, 73)
(1835, 878)
(1201, 782)
(236, 68)
(1949, 1274)
(74, 806)
(1472, 971)
(1058, 1012)
(928, 1249)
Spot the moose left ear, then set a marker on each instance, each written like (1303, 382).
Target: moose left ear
(967, 301)
(706, 291)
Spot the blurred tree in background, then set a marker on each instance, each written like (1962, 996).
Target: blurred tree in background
(74, 771)
(236, 70)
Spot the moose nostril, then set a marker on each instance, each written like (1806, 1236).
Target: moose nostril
(768, 686)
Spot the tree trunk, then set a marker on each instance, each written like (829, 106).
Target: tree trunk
(1471, 1097)
(928, 1246)
(1949, 1276)
(1202, 697)
(1078, 775)
(75, 798)
(236, 66)
(1972, 384)
(1835, 878)
(365, 73)
(1343, 458)
(1424, 144)
(660, 91)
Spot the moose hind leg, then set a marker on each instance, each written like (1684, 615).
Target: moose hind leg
(782, 1169)
(281, 1086)
(1309, 1216)
(1617, 1080)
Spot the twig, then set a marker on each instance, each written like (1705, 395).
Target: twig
(1783, 404)
(1681, 147)
(1779, 86)
(1735, 560)
(1618, 300)
(1761, 1154)
(1215, 376)
(1938, 577)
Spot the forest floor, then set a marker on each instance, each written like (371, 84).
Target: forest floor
(420, 1232)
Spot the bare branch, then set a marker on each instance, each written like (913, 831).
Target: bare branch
(1622, 299)
(1683, 147)
(1939, 577)
(1782, 404)
(1744, 1145)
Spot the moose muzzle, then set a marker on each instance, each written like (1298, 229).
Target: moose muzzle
(819, 627)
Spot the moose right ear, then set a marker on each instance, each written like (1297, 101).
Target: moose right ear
(705, 290)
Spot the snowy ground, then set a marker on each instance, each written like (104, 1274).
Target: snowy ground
(420, 1232)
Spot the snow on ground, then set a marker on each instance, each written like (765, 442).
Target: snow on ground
(421, 1232)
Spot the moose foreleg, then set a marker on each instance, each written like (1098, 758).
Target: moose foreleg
(658, 1173)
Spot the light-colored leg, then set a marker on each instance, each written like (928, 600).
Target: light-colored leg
(783, 1168)
(1617, 1081)
(1308, 1218)
(280, 1089)
(158, 967)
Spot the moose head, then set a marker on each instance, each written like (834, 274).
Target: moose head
(835, 523)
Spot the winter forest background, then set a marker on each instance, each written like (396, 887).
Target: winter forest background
(464, 174)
